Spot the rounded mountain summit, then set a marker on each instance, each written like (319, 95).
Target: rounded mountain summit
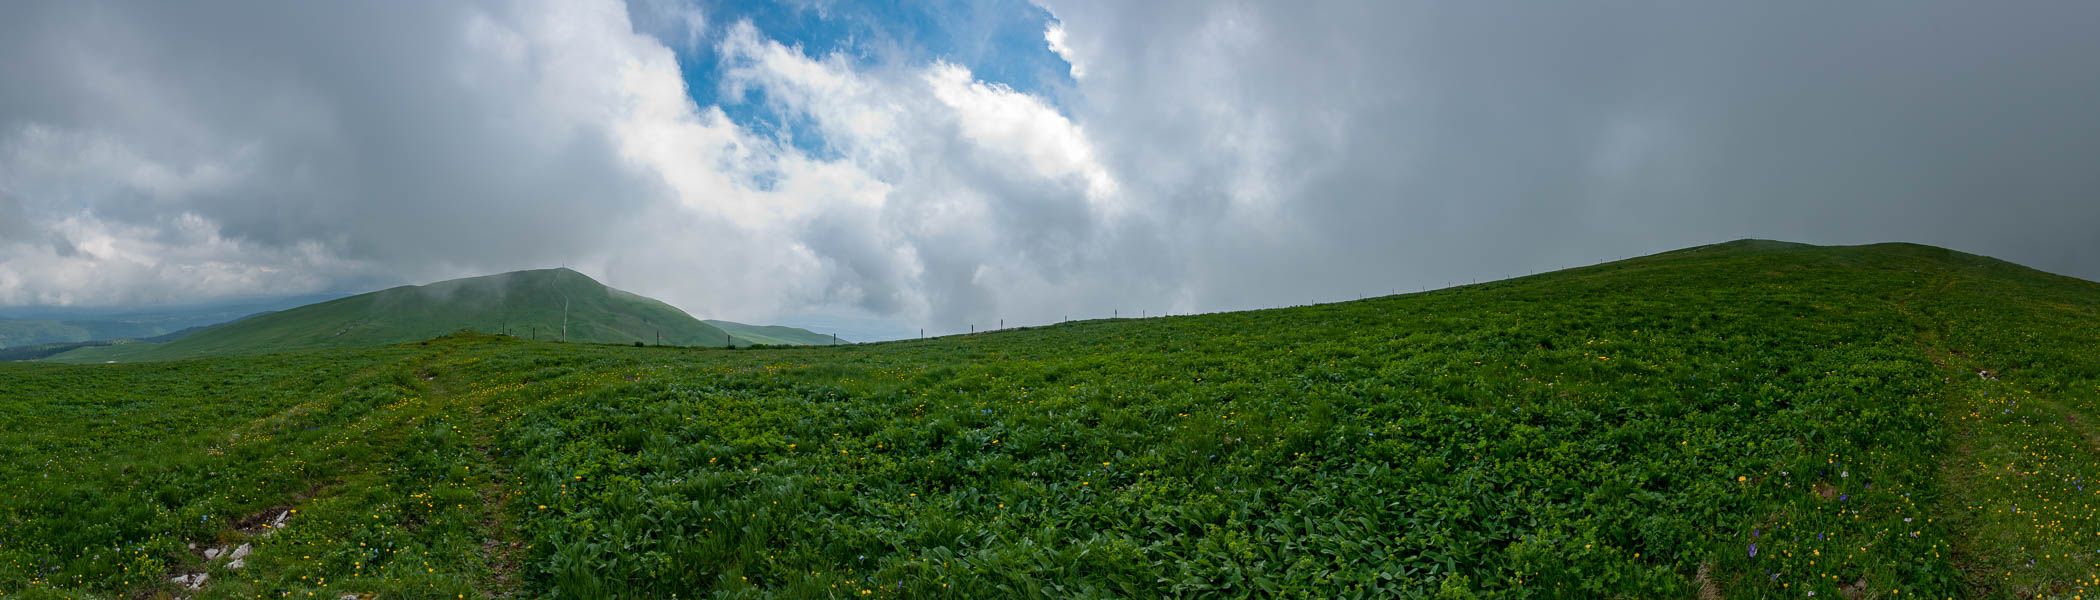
(546, 304)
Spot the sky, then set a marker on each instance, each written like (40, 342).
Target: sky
(890, 166)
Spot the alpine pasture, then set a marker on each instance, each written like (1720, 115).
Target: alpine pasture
(1743, 420)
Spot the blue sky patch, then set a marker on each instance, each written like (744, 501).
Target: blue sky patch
(998, 40)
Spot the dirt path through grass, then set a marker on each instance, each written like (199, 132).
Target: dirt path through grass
(2013, 477)
(414, 498)
(500, 544)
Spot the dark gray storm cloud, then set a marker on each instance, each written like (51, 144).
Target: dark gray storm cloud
(1401, 144)
(355, 128)
(1199, 156)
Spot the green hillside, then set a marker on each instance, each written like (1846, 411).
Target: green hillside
(547, 304)
(776, 335)
(1742, 420)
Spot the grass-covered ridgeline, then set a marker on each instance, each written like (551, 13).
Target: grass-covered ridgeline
(545, 304)
(1743, 420)
(775, 335)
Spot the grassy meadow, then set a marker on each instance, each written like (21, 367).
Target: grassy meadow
(1744, 420)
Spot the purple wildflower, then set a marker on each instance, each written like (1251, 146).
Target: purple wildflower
(1753, 551)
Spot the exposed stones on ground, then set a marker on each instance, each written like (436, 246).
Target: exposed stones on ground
(268, 518)
(266, 522)
(192, 581)
(237, 556)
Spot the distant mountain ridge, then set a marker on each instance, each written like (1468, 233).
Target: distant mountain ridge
(53, 325)
(545, 304)
(777, 335)
(30, 332)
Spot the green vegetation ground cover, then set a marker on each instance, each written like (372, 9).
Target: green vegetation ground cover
(1743, 420)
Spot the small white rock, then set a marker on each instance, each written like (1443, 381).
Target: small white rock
(241, 552)
(237, 563)
(192, 581)
(212, 553)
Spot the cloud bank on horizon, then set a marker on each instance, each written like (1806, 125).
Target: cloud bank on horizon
(960, 163)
